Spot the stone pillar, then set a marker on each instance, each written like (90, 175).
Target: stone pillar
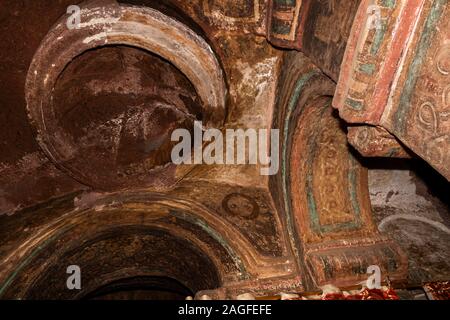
(395, 75)
(325, 188)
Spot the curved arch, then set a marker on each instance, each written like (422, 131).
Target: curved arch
(148, 250)
(134, 26)
(161, 213)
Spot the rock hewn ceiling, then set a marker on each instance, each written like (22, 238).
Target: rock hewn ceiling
(360, 94)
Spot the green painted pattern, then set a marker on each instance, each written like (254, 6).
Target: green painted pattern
(403, 110)
(29, 258)
(278, 26)
(388, 3)
(285, 3)
(293, 102)
(378, 38)
(215, 235)
(354, 104)
(352, 183)
(367, 68)
(5, 285)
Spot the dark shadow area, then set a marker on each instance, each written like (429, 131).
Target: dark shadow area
(141, 288)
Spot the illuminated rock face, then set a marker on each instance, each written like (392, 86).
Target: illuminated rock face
(89, 181)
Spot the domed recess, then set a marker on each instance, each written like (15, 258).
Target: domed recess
(116, 107)
(106, 97)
